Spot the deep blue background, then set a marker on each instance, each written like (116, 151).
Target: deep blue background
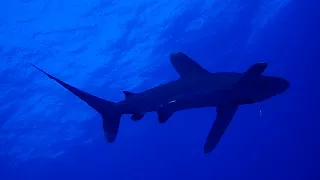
(46, 133)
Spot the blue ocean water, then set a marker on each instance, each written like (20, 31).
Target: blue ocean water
(106, 46)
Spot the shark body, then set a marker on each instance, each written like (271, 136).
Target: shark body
(189, 91)
(232, 91)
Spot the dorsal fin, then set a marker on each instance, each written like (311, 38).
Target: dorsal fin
(186, 66)
(128, 94)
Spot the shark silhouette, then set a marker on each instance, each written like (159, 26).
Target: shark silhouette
(150, 100)
(232, 90)
(194, 81)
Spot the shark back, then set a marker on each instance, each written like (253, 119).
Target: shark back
(193, 78)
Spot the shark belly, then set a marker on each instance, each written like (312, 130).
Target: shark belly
(153, 99)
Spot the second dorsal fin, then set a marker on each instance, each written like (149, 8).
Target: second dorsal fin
(128, 94)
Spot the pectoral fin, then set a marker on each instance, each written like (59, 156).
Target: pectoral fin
(225, 114)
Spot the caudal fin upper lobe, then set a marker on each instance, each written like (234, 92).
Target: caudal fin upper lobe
(108, 110)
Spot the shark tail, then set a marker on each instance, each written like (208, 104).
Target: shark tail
(108, 110)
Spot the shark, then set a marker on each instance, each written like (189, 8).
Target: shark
(232, 91)
(194, 82)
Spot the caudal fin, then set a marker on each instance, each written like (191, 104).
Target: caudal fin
(109, 112)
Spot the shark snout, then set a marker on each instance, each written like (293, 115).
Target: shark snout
(283, 85)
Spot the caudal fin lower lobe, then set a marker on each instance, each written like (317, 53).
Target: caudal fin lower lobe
(109, 112)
